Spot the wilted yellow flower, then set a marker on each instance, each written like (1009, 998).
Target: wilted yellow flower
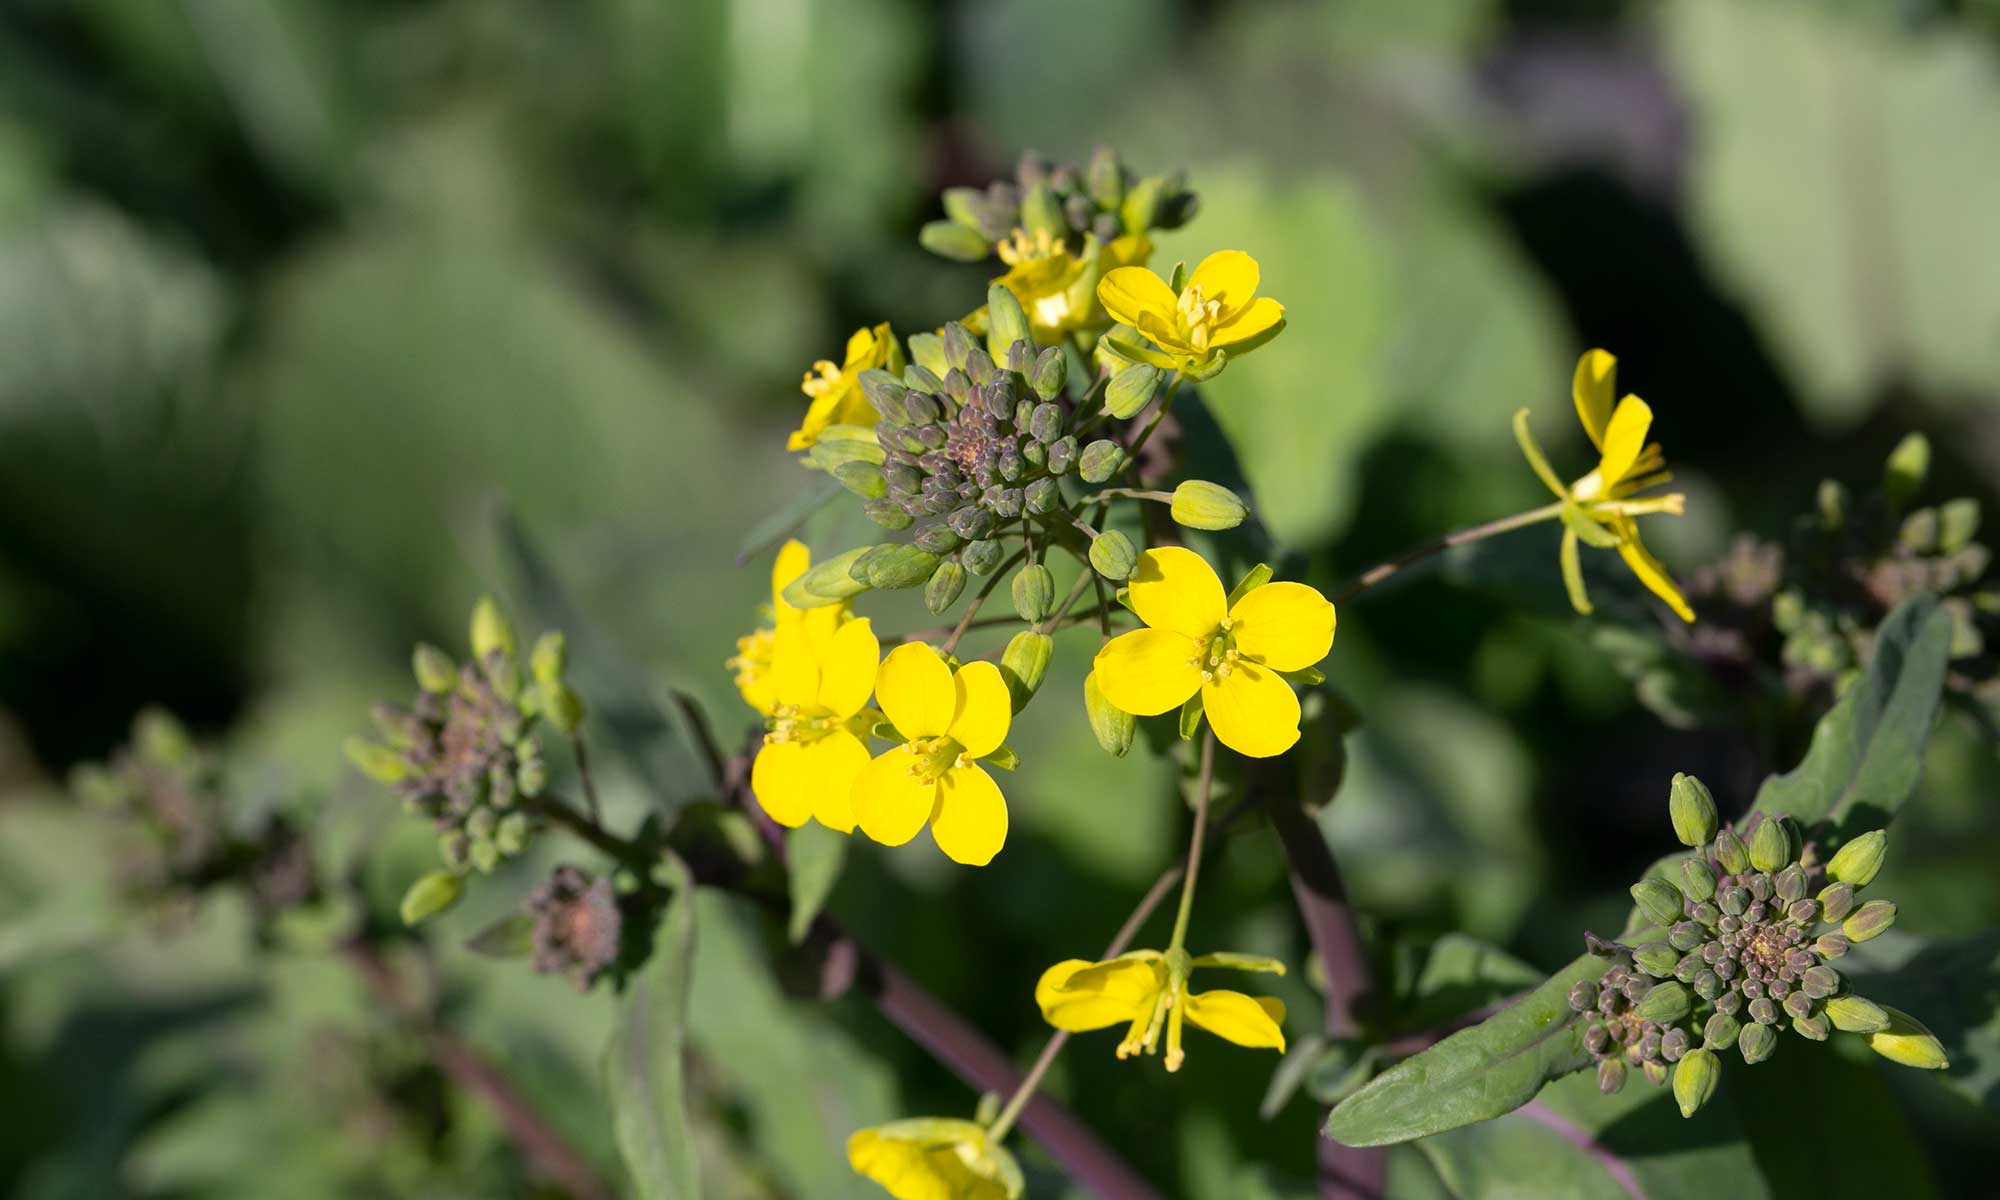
(935, 1158)
(1147, 991)
(1218, 309)
(1599, 508)
(1058, 289)
(1231, 654)
(836, 391)
(950, 719)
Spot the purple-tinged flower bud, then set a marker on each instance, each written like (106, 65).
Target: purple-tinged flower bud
(1730, 852)
(1798, 1005)
(1706, 913)
(1656, 959)
(1819, 982)
(1734, 900)
(1719, 1032)
(1051, 371)
(1688, 967)
(1763, 1011)
(1597, 1039)
(944, 586)
(1062, 454)
(1708, 985)
(1583, 997)
(1761, 888)
(1830, 945)
(1836, 902)
(1869, 920)
(1685, 935)
(1664, 1003)
(1789, 884)
(1675, 1043)
(1610, 1076)
(1802, 912)
(1815, 1027)
(1757, 1043)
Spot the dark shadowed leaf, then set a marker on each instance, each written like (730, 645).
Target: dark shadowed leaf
(815, 855)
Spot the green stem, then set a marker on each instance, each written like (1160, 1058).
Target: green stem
(1159, 414)
(1458, 537)
(972, 609)
(1194, 843)
(1109, 494)
(1055, 619)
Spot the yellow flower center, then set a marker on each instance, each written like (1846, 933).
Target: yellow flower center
(1216, 656)
(931, 757)
(1195, 313)
(1021, 247)
(823, 378)
(801, 723)
(753, 656)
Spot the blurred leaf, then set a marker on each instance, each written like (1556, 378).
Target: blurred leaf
(1290, 1072)
(1867, 754)
(512, 936)
(645, 1071)
(815, 855)
(1452, 976)
(1833, 1086)
(1954, 989)
(786, 521)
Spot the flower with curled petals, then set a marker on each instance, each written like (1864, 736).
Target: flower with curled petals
(1217, 312)
(1233, 656)
(835, 391)
(948, 719)
(1147, 991)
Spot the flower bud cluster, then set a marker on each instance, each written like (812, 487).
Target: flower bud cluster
(1062, 204)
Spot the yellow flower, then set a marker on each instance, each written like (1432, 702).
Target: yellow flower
(1058, 289)
(835, 391)
(1218, 309)
(935, 1158)
(1599, 508)
(1231, 655)
(1147, 990)
(949, 720)
(752, 661)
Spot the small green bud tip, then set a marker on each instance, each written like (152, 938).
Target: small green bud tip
(430, 895)
(1905, 1040)
(1113, 727)
(1693, 811)
(1695, 1079)
(562, 706)
(1868, 921)
(1024, 663)
(1858, 861)
(434, 669)
(1131, 390)
(1756, 1043)
(1903, 475)
(1658, 899)
(1770, 846)
(1697, 879)
(1665, 1003)
(1034, 591)
(1112, 555)
(1856, 1014)
(1730, 852)
(944, 586)
(1199, 504)
(490, 630)
(375, 760)
(1006, 323)
(550, 658)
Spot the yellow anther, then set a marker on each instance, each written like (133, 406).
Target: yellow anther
(818, 381)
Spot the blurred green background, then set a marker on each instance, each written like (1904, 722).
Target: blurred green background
(296, 298)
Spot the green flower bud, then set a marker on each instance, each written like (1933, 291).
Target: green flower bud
(1040, 210)
(1919, 532)
(1836, 902)
(1685, 936)
(897, 566)
(1199, 504)
(1112, 555)
(1113, 727)
(1610, 1075)
(1816, 1027)
(1656, 1072)
(485, 855)
(1034, 591)
(490, 630)
(1023, 664)
(377, 761)
(1802, 912)
(1698, 879)
(1100, 460)
(1830, 945)
(511, 835)
(889, 514)
(1695, 1080)
(1869, 920)
(434, 669)
(1903, 475)
(1856, 1014)
(926, 352)
(1657, 959)
(1131, 390)
(1906, 1041)
(944, 586)
(1665, 1003)
(563, 707)
(982, 557)
(1770, 845)
(453, 848)
(949, 239)
(1756, 1043)
(1858, 861)
(550, 658)
(530, 778)
(863, 479)
(1105, 179)
(1730, 852)
(1006, 323)
(1958, 524)
(1658, 899)
(430, 895)
(1720, 1031)
(827, 582)
(1693, 811)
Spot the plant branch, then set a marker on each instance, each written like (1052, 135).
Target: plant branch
(972, 609)
(1458, 537)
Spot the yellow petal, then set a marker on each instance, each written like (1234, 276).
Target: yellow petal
(1252, 711)
(833, 763)
(970, 824)
(1254, 1021)
(1595, 383)
(1081, 996)
(782, 783)
(982, 710)
(1906, 1041)
(916, 691)
(1173, 588)
(793, 559)
(863, 352)
(1572, 570)
(1262, 313)
(1624, 438)
(1285, 626)
(794, 665)
(1649, 570)
(934, 1159)
(1532, 451)
(891, 801)
(847, 672)
(1129, 293)
(1148, 671)
(1229, 277)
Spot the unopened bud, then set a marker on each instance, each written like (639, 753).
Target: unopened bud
(1112, 555)
(1856, 1014)
(1693, 811)
(1131, 390)
(1006, 323)
(511, 835)
(1023, 664)
(1113, 727)
(1770, 845)
(1858, 861)
(1903, 475)
(1658, 899)
(1199, 504)
(1905, 1040)
(1655, 1072)
(1665, 1003)
(1730, 852)
(1656, 959)
(490, 630)
(1610, 1075)
(1830, 945)
(1698, 879)
(1958, 524)
(1869, 920)
(944, 586)
(1756, 1043)
(550, 657)
(827, 582)
(949, 239)
(1034, 591)
(1816, 1027)
(1695, 1080)
(563, 707)
(891, 565)
(430, 895)
(1719, 1033)
(434, 669)
(1051, 372)
(1763, 1010)
(1100, 460)
(377, 761)
(982, 557)
(1685, 936)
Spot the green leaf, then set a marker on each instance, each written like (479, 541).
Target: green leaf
(1949, 986)
(1453, 976)
(645, 1072)
(512, 936)
(1474, 1075)
(815, 855)
(783, 523)
(1868, 752)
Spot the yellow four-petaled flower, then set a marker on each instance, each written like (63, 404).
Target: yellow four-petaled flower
(1058, 289)
(1218, 309)
(1147, 992)
(948, 720)
(935, 1158)
(835, 391)
(1232, 655)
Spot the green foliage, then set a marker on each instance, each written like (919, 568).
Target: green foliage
(645, 1067)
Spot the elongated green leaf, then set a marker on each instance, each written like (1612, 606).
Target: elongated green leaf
(1868, 752)
(784, 522)
(1475, 1074)
(815, 855)
(645, 1072)
(512, 936)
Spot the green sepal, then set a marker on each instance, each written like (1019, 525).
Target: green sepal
(1191, 716)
